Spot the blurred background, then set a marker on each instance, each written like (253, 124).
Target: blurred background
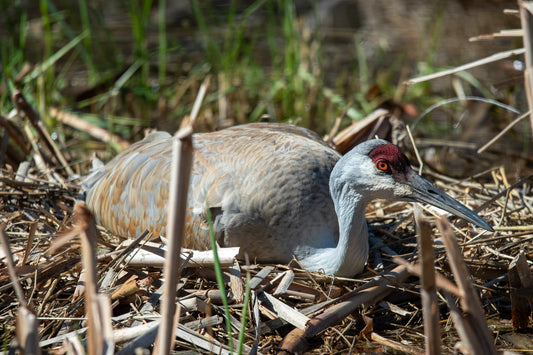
(129, 66)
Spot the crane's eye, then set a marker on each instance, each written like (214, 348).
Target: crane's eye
(382, 165)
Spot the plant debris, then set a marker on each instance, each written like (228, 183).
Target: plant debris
(290, 310)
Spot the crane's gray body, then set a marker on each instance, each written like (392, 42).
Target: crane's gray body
(267, 186)
(276, 191)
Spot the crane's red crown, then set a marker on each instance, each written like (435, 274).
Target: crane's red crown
(390, 154)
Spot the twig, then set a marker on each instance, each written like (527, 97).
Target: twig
(27, 331)
(74, 121)
(418, 158)
(33, 117)
(503, 33)
(395, 345)
(503, 131)
(492, 58)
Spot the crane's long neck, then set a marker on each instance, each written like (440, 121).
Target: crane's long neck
(351, 252)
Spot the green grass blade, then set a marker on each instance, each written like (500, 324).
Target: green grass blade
(162, 39)
(54, 58)
(87, 41)
(244, 318)
(219, 276)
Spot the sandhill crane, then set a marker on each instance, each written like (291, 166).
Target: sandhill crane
(277, 191)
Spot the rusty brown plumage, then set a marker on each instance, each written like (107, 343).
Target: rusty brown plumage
(247, 200)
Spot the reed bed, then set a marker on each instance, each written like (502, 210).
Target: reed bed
(52, 237)
(69, 286)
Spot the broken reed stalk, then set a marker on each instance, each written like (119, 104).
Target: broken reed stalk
(33, 117)
(98, 307)
(182, 152)
(475, 334)
(526, 19)
(296, 340)
(430, 307)
(246, 303)
(395, 345)
(490, 59)
(371, 295)
(520, 279)
(79, 123)
(27, 324)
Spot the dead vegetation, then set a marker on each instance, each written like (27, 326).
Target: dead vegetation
(67, 285)
(63, 299)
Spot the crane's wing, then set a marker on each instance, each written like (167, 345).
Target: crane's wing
(130, 193)
(126, 194)
(262, 182)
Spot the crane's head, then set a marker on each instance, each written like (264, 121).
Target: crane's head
(378, 169)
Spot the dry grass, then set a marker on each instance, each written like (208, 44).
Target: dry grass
(289, 308)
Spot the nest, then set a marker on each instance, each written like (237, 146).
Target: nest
(479, 295)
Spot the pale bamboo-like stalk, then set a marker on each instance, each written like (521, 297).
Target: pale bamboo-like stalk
(182, 153)
(490, 59)
(430, 307)
(526, 18)
(97, 307)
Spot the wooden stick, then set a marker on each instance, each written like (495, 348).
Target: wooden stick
(339, 311)
(74, 121)
(39, 126)
(430, 307)
(526, 18)
(153, 254)
(492, 58)
(480, 339)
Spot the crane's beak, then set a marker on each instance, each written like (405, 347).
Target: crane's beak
(425, 191)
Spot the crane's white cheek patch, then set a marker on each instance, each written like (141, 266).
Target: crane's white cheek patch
(401, 191)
